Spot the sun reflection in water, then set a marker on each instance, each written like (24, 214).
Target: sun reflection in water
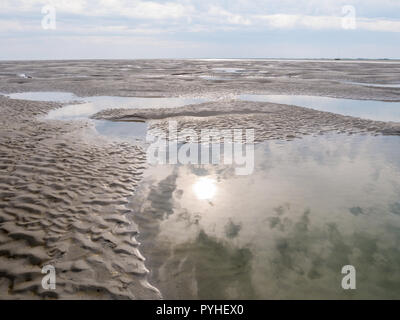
(205, 188)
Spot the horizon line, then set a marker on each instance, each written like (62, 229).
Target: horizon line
(207, 58)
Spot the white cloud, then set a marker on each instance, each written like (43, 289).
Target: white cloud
(125, 8)
(183, 15)
(227, 16)
(286, 21)
(142, 9)
(379, 25)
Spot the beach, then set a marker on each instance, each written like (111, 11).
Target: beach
(116, 227)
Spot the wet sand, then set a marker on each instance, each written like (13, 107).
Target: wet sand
(63, 203)
(270, 121)
(64, 189)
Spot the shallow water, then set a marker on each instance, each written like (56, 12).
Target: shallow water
(214, 78)
(127, 131)
(377, 85)
(311, 206)
(229, 70)
(92, 105)
(367, 109)
(44, 96)
(88, 106)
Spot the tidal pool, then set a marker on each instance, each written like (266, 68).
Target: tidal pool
(92, 105)
(367, 109)
(128, 131)
(310, 207)
(44, 96)
(81, 108)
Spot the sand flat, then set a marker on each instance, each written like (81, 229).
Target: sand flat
(63, 202)
(65, 189)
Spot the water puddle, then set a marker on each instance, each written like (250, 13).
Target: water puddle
(377, 85)
(228, 70)
(92, 105)
(44, 96)
(367, 109)
(126, 131)
(311, 207)
(83, 108)
(214, 78)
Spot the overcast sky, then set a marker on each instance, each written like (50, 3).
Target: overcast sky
(130, 29)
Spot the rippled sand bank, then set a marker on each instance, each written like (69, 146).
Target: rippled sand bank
(270, 121)
(62, 202)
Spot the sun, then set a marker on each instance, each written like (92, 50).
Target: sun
(205, 188)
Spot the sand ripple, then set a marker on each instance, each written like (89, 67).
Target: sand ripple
(63, 202)
(270, 121)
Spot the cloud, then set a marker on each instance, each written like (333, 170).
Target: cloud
(183, 16)
(204, 23)
(286, 21)
(227, 16)
(13, 26)
(143, 9)
(379, 25)
(118, 8)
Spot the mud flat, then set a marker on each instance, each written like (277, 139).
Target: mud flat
(66, 191)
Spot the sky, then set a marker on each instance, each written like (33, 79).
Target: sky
(135, 29)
